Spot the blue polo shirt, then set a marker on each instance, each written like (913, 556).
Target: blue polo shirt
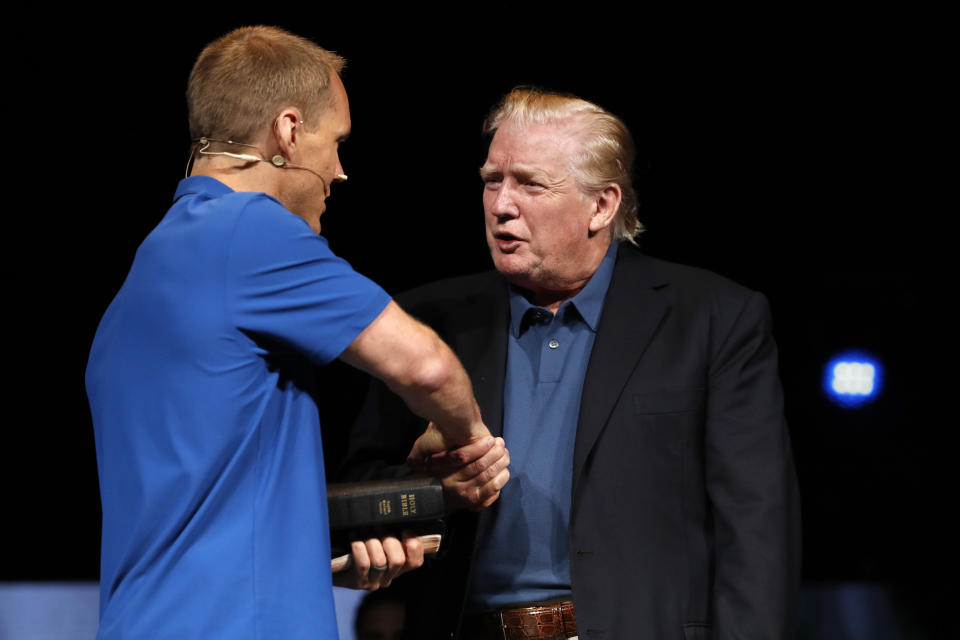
(525, 557)
(208, 440)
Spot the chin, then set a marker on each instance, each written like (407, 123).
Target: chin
(514, 271)
(315, 223)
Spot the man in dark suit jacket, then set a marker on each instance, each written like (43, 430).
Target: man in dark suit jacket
(662, 499)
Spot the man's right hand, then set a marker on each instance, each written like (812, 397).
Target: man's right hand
(472, 475)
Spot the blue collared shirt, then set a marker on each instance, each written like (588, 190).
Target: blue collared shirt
(208, 441)
(525, 556)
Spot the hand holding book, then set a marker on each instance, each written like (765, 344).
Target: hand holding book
(374, 563)
(383, 513)
(376, 512)
(430, 543)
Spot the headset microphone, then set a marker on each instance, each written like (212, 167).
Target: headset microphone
(280, 161)
(202, 145)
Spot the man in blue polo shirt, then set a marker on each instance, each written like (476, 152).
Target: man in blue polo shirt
(199, 378)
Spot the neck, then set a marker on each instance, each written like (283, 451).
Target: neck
(550, 295)
(240, 176)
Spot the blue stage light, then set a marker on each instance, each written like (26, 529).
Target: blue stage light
(853, 378)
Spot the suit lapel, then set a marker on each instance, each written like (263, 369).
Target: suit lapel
(481, 345)
(632, 312)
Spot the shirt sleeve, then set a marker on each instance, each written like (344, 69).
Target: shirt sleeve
(752, 483)
(285, 285)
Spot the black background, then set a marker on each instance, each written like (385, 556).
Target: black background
(796, 154)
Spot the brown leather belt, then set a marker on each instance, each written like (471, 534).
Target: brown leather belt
(540, 621)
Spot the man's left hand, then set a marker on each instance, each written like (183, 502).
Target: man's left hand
(472, 475)
(375, 562)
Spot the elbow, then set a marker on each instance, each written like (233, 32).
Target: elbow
(433, 371)
(429, 372)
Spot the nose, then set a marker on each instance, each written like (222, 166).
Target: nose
(502, 204)
(339, 175)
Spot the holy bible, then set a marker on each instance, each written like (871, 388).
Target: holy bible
(360, 510)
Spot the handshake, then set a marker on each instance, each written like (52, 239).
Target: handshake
(471, 477)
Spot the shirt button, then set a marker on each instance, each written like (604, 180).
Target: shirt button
(553, 344)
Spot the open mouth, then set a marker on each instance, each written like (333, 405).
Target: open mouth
(506, 241)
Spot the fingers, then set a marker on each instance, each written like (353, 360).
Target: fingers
(467, 462)
(472, 452)
(369, 564)
(488, 465)
(377, 561)
(363, 563)
(358, 568)
(490, 493)
(478, 484)
(394, 560)
(431, 447)
(472, 475)
(413, 549)
(429, 443)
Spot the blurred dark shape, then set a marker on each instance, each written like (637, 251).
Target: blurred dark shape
(381, 616)
(864, 611)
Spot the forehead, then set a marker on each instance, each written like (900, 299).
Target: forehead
(550, 146)
(337, 116)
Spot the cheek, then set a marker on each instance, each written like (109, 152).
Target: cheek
(572, 227)
(488, 198)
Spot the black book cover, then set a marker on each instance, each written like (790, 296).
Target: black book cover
(359, 510)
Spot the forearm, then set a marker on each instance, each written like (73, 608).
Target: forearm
(442, 393)
(420, 368)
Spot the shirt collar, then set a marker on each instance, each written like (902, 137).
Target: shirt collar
(588, 303)
(201, 184)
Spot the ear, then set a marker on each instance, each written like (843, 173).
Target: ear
(286, 130)
(607, 202)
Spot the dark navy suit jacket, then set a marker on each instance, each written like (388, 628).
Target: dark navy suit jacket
(685, 511)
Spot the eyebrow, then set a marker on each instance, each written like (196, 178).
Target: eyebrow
(488, 172)
(522, 171)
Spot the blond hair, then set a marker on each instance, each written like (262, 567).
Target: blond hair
(241, 82)
(606, 150)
